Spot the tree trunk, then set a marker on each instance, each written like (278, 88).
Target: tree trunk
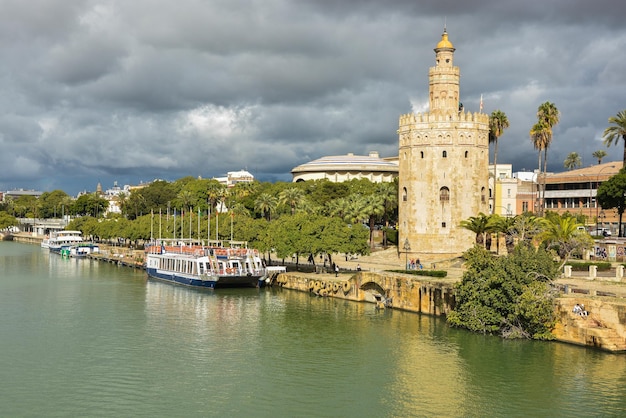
(495, 166)
(538, 180)
(545, 171)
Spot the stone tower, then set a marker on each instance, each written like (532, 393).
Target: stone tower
(443, 166)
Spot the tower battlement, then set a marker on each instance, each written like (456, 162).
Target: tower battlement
(426, 117)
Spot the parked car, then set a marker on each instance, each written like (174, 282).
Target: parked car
(601, 232)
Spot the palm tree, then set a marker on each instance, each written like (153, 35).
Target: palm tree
(612, 134)
(572, 161)
(599, 154)
(266, 204)
(563, 234)
(505, 225)
(547, 117)
(292, 197)
(478, 225)
(538, 135)
(374, 207)
(498, 122)
(216, 192)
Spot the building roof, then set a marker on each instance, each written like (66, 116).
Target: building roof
(592, 173)
(349, 162)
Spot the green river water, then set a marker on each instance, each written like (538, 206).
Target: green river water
(80, 338)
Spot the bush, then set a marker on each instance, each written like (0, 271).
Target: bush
(508, 295)
(584, 266)
(431, 273)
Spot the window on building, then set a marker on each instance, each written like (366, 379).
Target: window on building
(444, 194)
(524, 206)
(466, 154)
(508, 192)
(443, 224)
(404, 194)
(445, 154)
(422, 154)
(482, 195)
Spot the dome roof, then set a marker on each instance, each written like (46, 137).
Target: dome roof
(351, 162)
(444, 43)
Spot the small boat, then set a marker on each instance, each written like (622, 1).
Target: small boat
(83, 249)
(61, 239)
(208, 266)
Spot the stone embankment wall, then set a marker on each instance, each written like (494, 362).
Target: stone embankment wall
(401, 291)
(603, 328)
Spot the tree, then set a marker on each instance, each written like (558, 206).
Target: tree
(572, 161)
(539, 135)
(611, 195)
(599, 154)
(266, 204)
(478, 225)
(498, 122)
(508, 295)
(617, 131)
(562, 234)
(374, 207)
(503, 225)
(291, 197)
(7, 220)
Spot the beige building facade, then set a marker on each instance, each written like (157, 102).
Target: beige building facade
(443, 166)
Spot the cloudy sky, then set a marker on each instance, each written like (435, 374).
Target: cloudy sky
(129, 91)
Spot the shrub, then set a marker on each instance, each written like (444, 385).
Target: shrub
(509, 295)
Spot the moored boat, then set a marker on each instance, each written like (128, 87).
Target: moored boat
(83, 249)
(211, 266)
(62, 239)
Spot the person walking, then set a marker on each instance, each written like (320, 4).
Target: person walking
(336, 270)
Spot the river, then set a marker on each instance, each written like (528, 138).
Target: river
(89, 339)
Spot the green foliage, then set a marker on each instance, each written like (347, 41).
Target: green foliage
(611, 194)
(89, 205)
(562, 235)
(584, 266)
(7, 220)
(429, 273)
(508, 296)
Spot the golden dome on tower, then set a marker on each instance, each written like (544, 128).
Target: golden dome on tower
(445, 43)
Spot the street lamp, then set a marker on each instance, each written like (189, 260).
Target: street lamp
(406, 247)
(597, 180)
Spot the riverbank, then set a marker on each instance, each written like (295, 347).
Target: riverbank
(604, 328)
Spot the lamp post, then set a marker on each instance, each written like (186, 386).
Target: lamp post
(406, 247)
(597, 180)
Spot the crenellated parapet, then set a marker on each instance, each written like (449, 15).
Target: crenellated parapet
(434, 117)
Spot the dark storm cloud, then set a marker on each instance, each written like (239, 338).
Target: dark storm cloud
(97, 91)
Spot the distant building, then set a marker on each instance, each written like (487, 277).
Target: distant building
(112, 196)
(340, 168)
(234, 177)
(14, 194)
(575, 191)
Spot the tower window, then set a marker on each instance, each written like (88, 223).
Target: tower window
(422, 154)
(444, 194)
(482, 195)
(404, 194)
(466, 154)
(444, 154)
(443, 224)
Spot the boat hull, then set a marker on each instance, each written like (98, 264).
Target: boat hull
(211, 282)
